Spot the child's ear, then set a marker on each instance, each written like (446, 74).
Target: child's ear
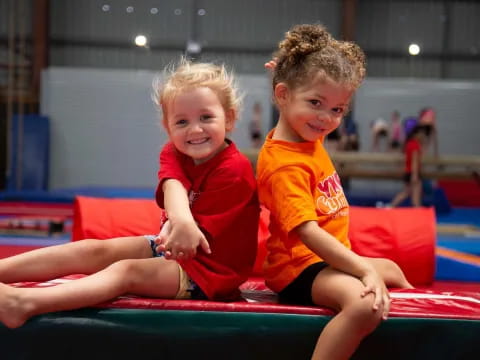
(165, 125)
(230, 116)
(281, 93)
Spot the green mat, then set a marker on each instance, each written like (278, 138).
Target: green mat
(158, 334)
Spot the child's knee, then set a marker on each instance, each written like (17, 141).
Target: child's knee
(392, 267)
(394, 275)
(130, 271)
(361, 312)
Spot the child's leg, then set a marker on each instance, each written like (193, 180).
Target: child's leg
(154, 277)
(391, 273)
(355, 319)
(402, 195)
(79, 257)
(417, 194)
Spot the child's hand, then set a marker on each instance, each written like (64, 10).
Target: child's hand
(182, 241)
(375, 285)
(163, 235)
(271, 65)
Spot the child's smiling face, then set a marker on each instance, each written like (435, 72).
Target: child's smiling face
(197, 123)
(314, 110)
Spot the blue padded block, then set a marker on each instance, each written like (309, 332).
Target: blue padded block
(470, 245)
(29, 153)
(452, 269)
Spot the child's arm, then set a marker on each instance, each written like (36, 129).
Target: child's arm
(339, 257)
(184, 236)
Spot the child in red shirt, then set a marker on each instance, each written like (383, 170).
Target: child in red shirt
(208, 191)
(412, 172)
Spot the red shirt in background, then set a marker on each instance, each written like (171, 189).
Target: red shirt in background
(411, 147)
(224, 203)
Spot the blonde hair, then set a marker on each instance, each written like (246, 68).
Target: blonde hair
(308, 49)
(187, 76)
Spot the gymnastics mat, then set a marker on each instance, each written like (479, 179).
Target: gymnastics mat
(426, 323)
(11, 250)
(423, 324)
(457, 265)
(462, 192)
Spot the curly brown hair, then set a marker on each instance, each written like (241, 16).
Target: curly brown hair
(308, 49)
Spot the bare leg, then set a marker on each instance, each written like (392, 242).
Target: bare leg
(391, 273)
(402, 195)
(417, 194)
(79, 257)
(149, 277)
(354, 321)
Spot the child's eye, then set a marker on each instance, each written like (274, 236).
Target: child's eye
(205, 117)
(315, 102)
(181, 122)
(338, 110)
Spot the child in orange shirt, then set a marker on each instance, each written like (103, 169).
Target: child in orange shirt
(309, 259)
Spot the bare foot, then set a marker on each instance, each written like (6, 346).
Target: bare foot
(12, 312)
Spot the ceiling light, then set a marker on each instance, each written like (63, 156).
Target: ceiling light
(413, 49)
(141, 40)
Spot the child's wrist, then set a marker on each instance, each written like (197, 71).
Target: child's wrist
(182, 220)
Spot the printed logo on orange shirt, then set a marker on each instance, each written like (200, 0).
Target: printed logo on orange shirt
(332, 199)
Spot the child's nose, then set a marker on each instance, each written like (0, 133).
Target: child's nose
(324, 117)
(196, 128)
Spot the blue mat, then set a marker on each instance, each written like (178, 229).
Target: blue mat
(461, 216)
(466, 244)
(452, 269)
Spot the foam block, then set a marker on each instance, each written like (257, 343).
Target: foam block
(404, 235)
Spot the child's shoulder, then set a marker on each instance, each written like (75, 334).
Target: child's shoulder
(233, 162)
(281, 154)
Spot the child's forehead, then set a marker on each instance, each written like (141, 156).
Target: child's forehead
(324, 85)
(193, 99)
(197, 93)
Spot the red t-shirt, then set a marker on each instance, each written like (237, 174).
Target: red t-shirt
(412, 146)
(224, 203)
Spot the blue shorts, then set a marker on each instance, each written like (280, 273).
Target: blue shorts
(188, 288)
(153, 246)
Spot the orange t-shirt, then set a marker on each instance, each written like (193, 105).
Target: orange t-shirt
(297, 182)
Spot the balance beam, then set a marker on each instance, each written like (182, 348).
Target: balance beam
(390, 165)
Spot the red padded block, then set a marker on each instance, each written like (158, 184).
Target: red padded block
(461, 192)
(102, 218)
(11, 250)
(404, 235)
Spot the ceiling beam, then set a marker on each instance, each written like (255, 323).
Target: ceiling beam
(41, 22)
(349, 11)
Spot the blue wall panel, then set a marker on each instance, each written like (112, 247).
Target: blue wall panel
(29, 153)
